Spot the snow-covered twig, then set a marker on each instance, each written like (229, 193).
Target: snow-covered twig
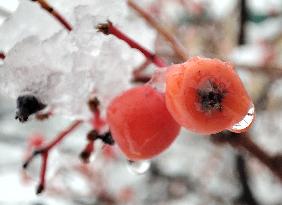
(109, 28)
(54, 13)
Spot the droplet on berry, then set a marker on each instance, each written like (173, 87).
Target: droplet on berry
(139, 167)
(207, 96)
(244, 124)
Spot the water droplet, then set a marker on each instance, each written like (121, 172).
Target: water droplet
(158, 79)
(138, 167)
(98, 147)
(246, 122)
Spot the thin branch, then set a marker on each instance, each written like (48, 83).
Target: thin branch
(175, 44)
(138, 75)
(54, 13)
(243, 20)
(44, 152)
(109, 28)
(246, 195)
(242, 141)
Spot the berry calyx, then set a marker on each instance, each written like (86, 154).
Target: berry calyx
(140, 123)
(206, 95)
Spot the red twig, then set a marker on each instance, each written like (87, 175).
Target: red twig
(177, 47)
(43, 170)
(109, 28)
(44, 152)
(138, 75)
(54, 13)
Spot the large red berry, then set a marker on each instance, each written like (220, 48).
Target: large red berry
(206, 95)
(140, 123)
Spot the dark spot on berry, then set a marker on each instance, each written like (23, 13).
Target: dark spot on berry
(26, 106)
(210, 97)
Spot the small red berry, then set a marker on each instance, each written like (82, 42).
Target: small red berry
(140, 123)
(206, 95)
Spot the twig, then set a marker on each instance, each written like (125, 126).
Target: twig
(109, 28)
(44, 152)
(243, 141)
(177, 47)
(243, 20)
(246, 195)
(271, 71)
(54, 13)
(138, 75)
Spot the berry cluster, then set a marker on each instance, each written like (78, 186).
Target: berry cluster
(203, 95)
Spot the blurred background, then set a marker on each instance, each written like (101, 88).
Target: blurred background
(194, 170)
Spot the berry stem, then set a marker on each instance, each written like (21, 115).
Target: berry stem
(109, 28)
(54, 13)
(175, 44)
(44, 152)
(138, 75)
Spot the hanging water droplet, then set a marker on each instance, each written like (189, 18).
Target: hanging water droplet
(246, 122)
(98, 147)
(138, 167)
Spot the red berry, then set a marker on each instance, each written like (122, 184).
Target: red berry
(140, 123)
(206, 95)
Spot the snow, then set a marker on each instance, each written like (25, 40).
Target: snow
(63, 69)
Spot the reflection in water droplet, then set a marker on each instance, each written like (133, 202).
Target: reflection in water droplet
(246, 122)
(138, 167)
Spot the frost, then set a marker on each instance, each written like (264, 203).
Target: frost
(63, 70)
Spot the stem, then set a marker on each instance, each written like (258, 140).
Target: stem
(44, 152)
(109, 28)
(175, 44)
(54, 13)
(243, 141)
(138, 75)
(246, 195)
(43, 170)
(243, 20)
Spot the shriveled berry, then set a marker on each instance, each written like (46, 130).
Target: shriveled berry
(28, 105)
